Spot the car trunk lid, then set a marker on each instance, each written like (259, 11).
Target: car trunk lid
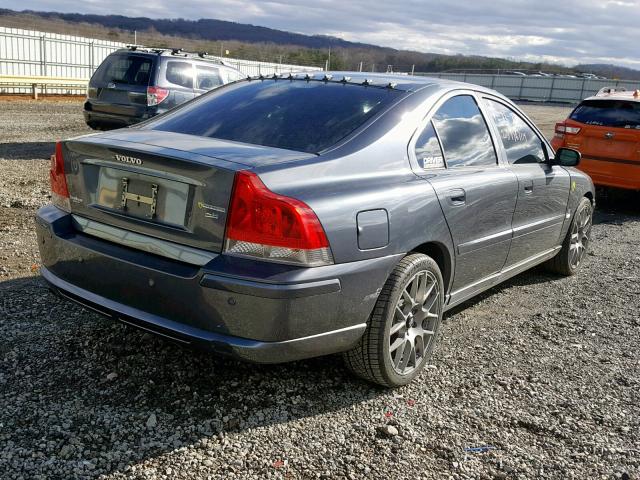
(167, 189)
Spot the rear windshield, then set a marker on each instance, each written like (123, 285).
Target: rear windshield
(129, 69)
(307, 116)
(608, 113)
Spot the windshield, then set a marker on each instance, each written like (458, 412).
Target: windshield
(307, 116)
(608, 113)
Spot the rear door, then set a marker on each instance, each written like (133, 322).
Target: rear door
(119, 86)
(178, 77)
(543, 190)
(476, 193)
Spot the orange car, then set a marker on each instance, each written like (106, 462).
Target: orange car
(606, 130)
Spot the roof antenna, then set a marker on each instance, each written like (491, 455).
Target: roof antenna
(366, 82)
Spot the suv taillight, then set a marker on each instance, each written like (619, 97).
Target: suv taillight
(156, 95)
(273, 227)
(562, 128)
(59, 189)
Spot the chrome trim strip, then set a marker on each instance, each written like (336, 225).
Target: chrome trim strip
(141, 170)
(527, 228)
(164, 248)
(484, 242)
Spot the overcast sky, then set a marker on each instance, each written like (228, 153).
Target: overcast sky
(564, 31)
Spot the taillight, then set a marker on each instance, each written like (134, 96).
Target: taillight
(156, 95)
(273, 227)
(59, 189)
(562, 128)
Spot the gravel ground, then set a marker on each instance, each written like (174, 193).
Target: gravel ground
(542, 371)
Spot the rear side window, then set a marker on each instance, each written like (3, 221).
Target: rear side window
(127, 69)
(207, 78)
(233, 76)
(180, 73)
(428, 151)
(608, 113)
(520, 142)
(464, 134)
(307, 116)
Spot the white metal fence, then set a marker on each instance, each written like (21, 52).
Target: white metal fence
(32, 53)
(539, 89)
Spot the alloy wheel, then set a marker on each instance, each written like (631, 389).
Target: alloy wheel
(580, 235)
(416, 316)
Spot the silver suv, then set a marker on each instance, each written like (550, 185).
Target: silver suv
(134, 84)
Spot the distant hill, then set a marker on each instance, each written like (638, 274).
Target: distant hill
(205, 29)
(257, 43)
(610, 71)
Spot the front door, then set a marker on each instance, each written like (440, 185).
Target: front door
(477, 195)
(543, 189)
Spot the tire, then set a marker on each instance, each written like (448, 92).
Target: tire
(575, 244)
(404, 325)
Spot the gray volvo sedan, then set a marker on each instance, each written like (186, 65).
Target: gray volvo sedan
(280, 218)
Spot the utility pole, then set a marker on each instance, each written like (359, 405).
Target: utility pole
(360, 67)
(221, 51)
(135, 37)
(413, 68)
(329, 60)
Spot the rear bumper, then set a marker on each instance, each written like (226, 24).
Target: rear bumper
(114, 116)
(255, 311)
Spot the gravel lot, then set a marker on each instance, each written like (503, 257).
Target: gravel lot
(543, 371)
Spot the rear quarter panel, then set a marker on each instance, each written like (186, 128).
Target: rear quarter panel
(339, 185)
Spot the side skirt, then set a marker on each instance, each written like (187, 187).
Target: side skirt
(486, 283)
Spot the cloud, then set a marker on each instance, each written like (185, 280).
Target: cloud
(568, 32)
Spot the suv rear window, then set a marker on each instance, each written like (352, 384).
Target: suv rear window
(608, 113)
(307, 116)
(129, 69)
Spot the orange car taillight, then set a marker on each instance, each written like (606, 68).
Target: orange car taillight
(59, 189)
(273, 227)
(562, 128)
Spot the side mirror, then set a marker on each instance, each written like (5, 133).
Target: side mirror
(567, 157)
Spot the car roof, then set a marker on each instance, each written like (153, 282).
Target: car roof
(170, 53)
(613, 94)
(407, 83)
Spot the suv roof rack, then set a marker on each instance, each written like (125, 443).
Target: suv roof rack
(175, 52)
(610, 90)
